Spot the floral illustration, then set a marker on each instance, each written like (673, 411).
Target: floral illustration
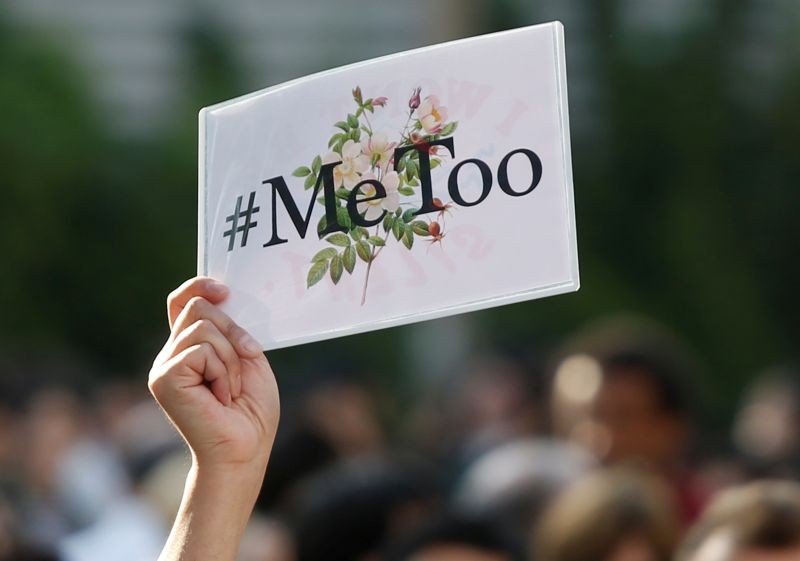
(367, 154)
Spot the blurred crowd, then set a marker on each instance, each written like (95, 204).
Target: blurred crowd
(599, 451)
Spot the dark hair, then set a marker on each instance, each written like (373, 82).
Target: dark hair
(659, 372)
(347, 512)
(298, 452)
(458, 529)
(764, 515)
(636, 346)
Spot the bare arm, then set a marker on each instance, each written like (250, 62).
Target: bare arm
(216, 386)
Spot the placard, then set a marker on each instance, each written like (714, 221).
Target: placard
(408, 187)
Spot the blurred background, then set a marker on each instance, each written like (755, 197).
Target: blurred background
(678, 356)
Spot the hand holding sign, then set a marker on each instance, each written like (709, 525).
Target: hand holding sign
(218, 389)
(213, 381)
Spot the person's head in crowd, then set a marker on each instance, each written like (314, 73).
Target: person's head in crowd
(620, 391)
(612, 515)
(453, 537)
(755, 522)
(487, 399)
(490, 400)
(12, 544)
(298, 453)
(494, 395)
(767, 425)
(345, 413)
(348, 511)
(513, 482)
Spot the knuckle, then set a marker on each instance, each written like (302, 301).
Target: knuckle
(195, 305)
(172, 296)
(201, 327)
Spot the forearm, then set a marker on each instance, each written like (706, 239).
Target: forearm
(217, 503)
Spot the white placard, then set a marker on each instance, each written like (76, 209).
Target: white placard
(440, 179)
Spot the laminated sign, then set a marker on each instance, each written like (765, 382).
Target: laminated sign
(409, 187)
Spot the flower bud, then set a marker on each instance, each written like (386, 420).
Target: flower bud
(415, 101)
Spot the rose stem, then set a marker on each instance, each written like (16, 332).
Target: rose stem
(373, 255)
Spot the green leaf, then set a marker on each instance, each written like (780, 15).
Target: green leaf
(324, 254)
(335, 138)
(435, 162)
(336, 268)
(342, 193)
(355, 134)
(449, 129)
(343, 217)
(414, 182)
(376, 241)
(302, 171)
(349, 258)
(408, 215)
(388, 221)
(408, 238)
(342, 125)
(397, 229)
(316, 165)
(352, 121)
(364, 232)
(321, 225)
(405, 191)
(420, 228)
(359, 112)
(310, 181)
(363, 250)
(316, 272)
(338, 239)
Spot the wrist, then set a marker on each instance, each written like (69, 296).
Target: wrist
(227, 473)
(217, 502)
(234, 479)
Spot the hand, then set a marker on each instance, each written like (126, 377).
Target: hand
(214, 382)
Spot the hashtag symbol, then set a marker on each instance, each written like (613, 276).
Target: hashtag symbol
(241, 228)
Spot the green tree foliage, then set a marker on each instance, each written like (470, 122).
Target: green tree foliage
(686, 195)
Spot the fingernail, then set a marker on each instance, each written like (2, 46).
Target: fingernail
(249, 344)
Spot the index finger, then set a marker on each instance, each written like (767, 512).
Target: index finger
(205, 287)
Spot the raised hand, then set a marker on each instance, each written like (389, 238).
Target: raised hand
(216, 386)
